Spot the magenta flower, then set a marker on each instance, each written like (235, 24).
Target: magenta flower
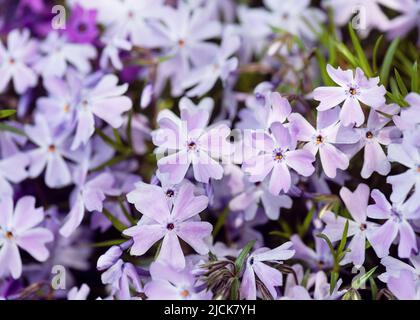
(169, 224)
(397, 218)
(19, 229)
(105, 101)
(329, 132)
(81, 27)
(353, 89)
(16, 61)
(270, 277)
(276, 153)
(170, 284)
(190, 142)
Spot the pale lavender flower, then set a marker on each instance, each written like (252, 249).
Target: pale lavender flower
(78, 293)
(394, 267)
(353, 89)
(403, 286)
(373, 136)
(406, 21)
(183, 35)
(276, 153)
(51, 152)
(105, 101)
(190, 142)
(397, 218)
(329, 132)
(19, 229)
(359, 228)
(256, 267)
(12, 170)
(170, 284)
(409, 117)
(16, 61)
(370, 14)
(111, 52)
(58, 54)
(202, 79)
(295, 17)
(123, 279)
(319, 258)
(169, 224)
(247, 200)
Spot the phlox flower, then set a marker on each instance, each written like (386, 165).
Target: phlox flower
(353, 89)
(394, 267)
(78, 293)
(13, 169)
(359, 228)
(106, 101)
(19, 229)
(170, 223)
(58, 54)
(276, 153)
(403, 286)
(323, 139)
(16, 61)
(202, 79)
(256, 268)
(81, 27)
(397, 218)
(170, 284)
(409, 117)
(190, 142)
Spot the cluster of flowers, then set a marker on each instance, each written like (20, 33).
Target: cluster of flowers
(184, 128)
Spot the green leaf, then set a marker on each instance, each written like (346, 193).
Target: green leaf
(373, 288)
(234, 289)
(415, 78)
(111, 162)
(114, 144)
(356, 284)
(401, 84)
(323, 236)
(361, 56)
(6, 127)
(115, 222)
(306, 223)
(343, 240)
(347, 54)
(333, 280)
(352, 294)
(388, 60)
(7, 113)
(108, 243)
(240, 260)
(220, 222)
(375, 53)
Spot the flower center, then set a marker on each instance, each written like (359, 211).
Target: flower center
(181, 43)
(369, 135)
(66, 107)
(52, 148)
(170, 193)
(353, 91)
(185, 293)
(82, 27)
(278, 155)
(9, 235)
(251, 261)
(363, 226)
(192, 145)
(12, 61)
(418, 168)
(170, 226)
(319, 139)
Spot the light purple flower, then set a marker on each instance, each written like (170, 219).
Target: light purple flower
(105, 101)
(12, 170)
(329, 132)
(394, 267)
(169, 224)
(409, 117)
(78, 293)
(353, 89)
(51, 152)
(16, 61)
(202, 79)
(276, 153)
(19, 229)
(403, 286)
(58, 54)
(270, 277)
(190, 142)
(359, 228)
(248, 199)
(170, 284)
(397, 218)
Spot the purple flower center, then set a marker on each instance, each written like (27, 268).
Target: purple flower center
(278, 154)
(251, 261)
(82, 27)
(192, 145)
(363, 226)
(369, 135)
(170, 226)
(170, 193)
